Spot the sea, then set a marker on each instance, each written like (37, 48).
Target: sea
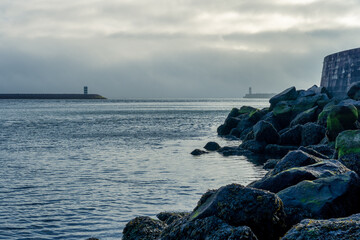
(74, 169)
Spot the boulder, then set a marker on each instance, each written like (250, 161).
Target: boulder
(293, 159)
(295, 175)
(237, 205)
(348, 142)
(170, 217)
(254, 146)
(351, 161)
(234, 151)
(246, 109)
(271, 163)
(292, 136)
(282, 113)
(323, 149)
(206, 228)
(265, 132)
(212, 146)
(335, 196)
(287, 94)
(330, 229)
(198, 152)
(143, 228)
(341, 118)
(278, 150)
(304, 103)
(354, 91)
(235, 133)
(312, 134)
(322, 117)
(269, 117)
(313, 152)
(305, 117)
(223, 130)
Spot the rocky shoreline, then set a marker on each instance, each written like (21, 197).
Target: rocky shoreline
(312, 189)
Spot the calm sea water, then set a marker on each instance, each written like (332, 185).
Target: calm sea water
(79, 169)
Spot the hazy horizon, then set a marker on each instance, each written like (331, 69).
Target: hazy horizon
(170, 49)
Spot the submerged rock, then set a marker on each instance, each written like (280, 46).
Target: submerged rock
(198, 152)
(143, 228)
(237, 205)
(330, 229)
(212, 146)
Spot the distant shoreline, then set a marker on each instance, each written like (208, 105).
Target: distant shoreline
(259, 95)
(50, 96)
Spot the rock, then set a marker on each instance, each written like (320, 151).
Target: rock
(351, 161)
(348, 142)
(305, 117)
(282, 113)
(269, 117)
(212, 146)
(223, 130)
(247, 109)
(278, 150)
(232, 122)
(322, 117)
(288, 94)
(92, 238)
(244, 124)
(198, 152)
(254, 146)
(323, 149)
(292, 136)
(235, 133)
(354, 91)
(312, 134)
(143, 228)
(206, 228)
(170, 217)
(313, 152)
(238, 205)
(331, 229)
(335, 196)
(293, 159)
(293, 176)
(255, 116)
(304, 103)
(265, 132)
(341, 118)
(234, 151)
(271, 163)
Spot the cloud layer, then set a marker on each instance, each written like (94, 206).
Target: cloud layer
(178, 48)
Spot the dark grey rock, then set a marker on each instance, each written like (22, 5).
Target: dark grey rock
(223, 130)
(265, 132)
(323, 149)
(212, 146)
(312, 134)
(305, 117)
(269, 117)
(254, 146)
(235, 132)
(292, 136)
(335, 196)
(170, 217)
(352, 161)
(287, 94)
(313, 152)
(205, 229)
(341, 118)
(305, 103)
(198, 152)
(354, 91)
(278, 150)
(238, 205)
(143, 228)
(234, 151)
(271, 163)
(330, 229)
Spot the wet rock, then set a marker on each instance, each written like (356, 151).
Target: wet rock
(341, 118)
(354, 91)
(330, 229)
(198, 152)
(335, 196)
(293, 176)
(92, 239)
(254, 146)
(323, 149)
(293, 159)
(312, 134)
(265, 132)
(287, 94)
(206, 228)
(170, 217)
(234, 151)
(238, 205)
(143, 228)
(351, 161)
(212, 146)
(305, 117)
(271, 163)
(292, 136)
(223, 130)
(348, 142)
(278, 150)
(313, 152)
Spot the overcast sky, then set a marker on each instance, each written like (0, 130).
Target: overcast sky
(170, 48)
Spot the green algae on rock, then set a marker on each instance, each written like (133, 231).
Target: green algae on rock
(348, 142)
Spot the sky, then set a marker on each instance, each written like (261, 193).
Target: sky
(170, 48)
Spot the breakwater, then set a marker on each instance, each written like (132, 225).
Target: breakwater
(51, 96)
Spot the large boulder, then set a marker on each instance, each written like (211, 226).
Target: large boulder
(170, 217)
(341, 118)
(278, 150)
(330, 229)
(206, 228)
(293, 159)
(335, 196)
(312, 134)
(305, 117)
(324, 149)
(348, 142)
(287, 94)
(254, 146)
(265, 132)
(237, 205)
(354, 91)
(283, 112)
(143, 228)
(292, 136)
(295, 175)
(304, 103)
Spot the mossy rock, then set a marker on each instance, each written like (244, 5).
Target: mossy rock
(282, 109)
(246, 109)
(348, 142)
(340, 118)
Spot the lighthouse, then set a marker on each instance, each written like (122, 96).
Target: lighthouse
(85, 90)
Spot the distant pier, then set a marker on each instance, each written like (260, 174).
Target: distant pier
(258, 95)
(51, 96)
